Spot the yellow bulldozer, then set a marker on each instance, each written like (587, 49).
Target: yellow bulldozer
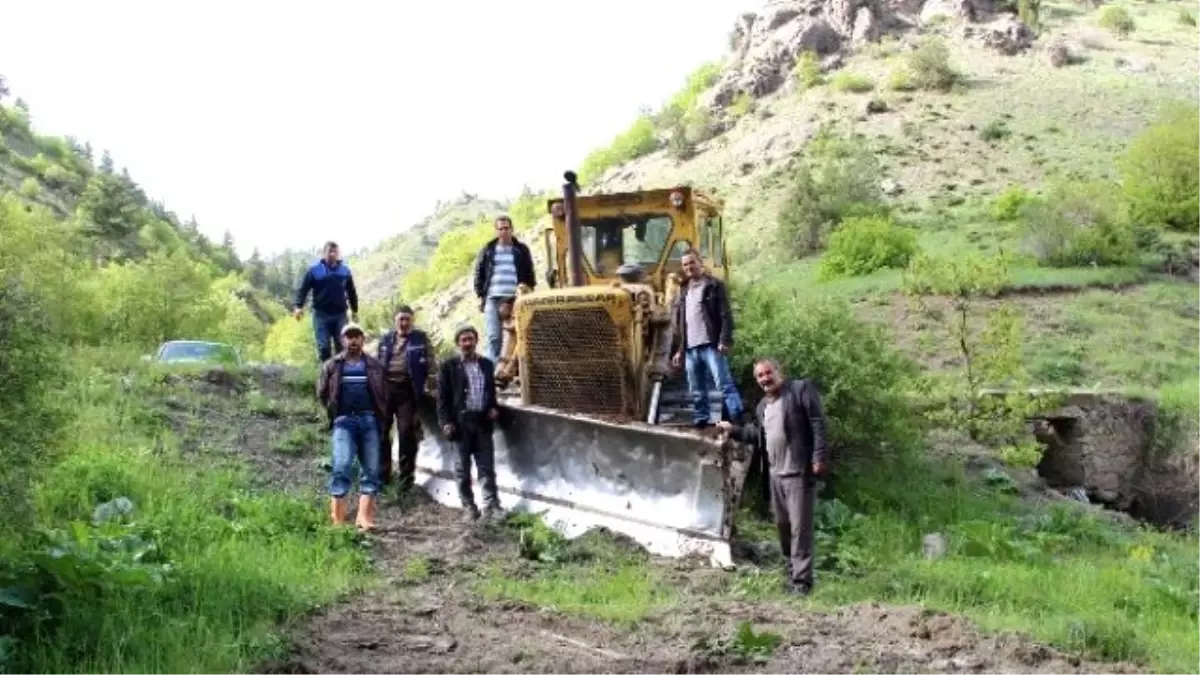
(597, 424)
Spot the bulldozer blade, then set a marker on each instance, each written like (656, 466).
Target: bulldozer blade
(672, 491)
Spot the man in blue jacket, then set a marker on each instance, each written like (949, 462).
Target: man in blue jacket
(333, 290)
(407, 358)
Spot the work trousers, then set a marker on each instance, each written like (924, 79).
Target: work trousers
(327, 330)
(402, 416)
(475, 444)
(355, 436)
(793, 499)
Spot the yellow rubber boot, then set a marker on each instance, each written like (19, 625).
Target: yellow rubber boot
(366, 512)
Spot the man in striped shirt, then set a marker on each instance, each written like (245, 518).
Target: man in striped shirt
(502, 264)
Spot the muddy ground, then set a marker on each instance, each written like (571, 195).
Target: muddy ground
(436, 622)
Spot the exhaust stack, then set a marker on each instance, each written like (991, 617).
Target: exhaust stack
(574, 236)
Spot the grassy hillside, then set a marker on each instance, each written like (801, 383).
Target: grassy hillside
(905, 253)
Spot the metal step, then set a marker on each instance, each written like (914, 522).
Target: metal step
(675, 403)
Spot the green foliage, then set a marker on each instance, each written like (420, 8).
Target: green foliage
(1078, 224)
(1117, 19)
(837, 178)
(149, 565)
(852, 82)
(996, 130)
(1159, 171)
(454, 256)
(861, 377)
(745, 646)
(1185, 16)
(807, 71)
(29, 369)
(677, 117)
(901, 80)
(638, 140)
(30, 188)
(860, 246)
(743, 104)
(1029, 11)
(990, 356)
(290, 342)
(1177, 418)
(930, 68)
(1007, 206)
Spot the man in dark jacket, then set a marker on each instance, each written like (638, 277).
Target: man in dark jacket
(502, 264)
(467, 411)
(790, 427)
(703, 336)
(351, 388)
(407, 358)
(333, 290)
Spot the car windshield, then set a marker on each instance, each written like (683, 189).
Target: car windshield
(197, 351)
(637, 238)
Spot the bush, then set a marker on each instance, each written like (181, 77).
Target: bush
(901, 80)
(32, 375)
(454, 256)
(860, 246)
(861, 377)
(1159, 171)
(1008, 205)
(1079, 224)
(1117, 19)
(807, 71)
(853, 83)
(837, 178)
(929, 65)
(638, 140)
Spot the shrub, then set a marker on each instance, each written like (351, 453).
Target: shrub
(638, 140)
(929, 65)
(1117, 19)
(807, 71)
(995, 130)
(837, 178)
(1185, 16)
(853, 83)
(1159, 171)
(861, 377)
(1009, 203)
(901, 80)
(860, 246)
(30, 188)
(1079, 224)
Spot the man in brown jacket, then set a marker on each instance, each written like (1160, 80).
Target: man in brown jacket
(790, 427)
(351, 388)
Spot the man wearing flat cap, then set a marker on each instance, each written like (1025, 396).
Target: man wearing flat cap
(408, 359)
(467, 411)
(352, 390)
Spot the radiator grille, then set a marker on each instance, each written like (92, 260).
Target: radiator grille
(576, 362)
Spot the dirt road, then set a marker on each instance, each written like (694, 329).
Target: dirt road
(428, 615)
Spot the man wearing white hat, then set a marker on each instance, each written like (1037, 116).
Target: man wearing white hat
(352, 390)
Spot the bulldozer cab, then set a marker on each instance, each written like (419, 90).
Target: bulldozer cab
(650, 229)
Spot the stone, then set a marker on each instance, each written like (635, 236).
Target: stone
(933, 546)
(1008, 35)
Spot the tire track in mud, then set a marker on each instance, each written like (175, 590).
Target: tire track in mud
(435, 622)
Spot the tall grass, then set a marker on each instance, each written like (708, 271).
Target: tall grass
(201, 576)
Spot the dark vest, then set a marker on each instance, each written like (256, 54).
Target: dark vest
(416, 354)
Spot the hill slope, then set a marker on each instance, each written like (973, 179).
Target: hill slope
(938, 140)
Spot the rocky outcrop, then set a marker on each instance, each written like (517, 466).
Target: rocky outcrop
(1008, 35)
(1103, 446)
(765, 45)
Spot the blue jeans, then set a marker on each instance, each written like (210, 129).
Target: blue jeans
(328, 331)
(355, 436)
(703, 363)
(493, 339)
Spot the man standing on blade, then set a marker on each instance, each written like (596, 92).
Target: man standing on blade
(407, 359)
(790, 427)
(501, 264)
(352, 390)
(703, 336)
(333, 291)
(467, 411)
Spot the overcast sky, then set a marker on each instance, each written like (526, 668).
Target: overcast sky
(291, 123)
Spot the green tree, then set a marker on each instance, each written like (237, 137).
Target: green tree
(1159, 171)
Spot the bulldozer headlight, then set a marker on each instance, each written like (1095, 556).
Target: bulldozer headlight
(677, 199)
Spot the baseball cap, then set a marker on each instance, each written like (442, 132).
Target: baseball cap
(352, 328)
